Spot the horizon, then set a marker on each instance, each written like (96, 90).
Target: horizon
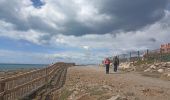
(80, 31)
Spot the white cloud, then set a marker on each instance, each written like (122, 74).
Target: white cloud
(6, 26)
(89, 15)
(149, 37)
(31, 36)
(69, 17)
(10, 56)
(86, 47)
(122, 42)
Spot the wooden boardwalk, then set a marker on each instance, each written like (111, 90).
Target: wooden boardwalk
(37, 82)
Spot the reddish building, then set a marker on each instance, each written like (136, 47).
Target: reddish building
(165, 48)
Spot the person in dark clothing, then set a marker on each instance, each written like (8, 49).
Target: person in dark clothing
(107, 64)
(116, 63)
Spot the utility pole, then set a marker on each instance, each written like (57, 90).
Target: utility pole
(147, 54)
(130, 56)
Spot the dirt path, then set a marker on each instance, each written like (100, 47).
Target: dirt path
(91, 83)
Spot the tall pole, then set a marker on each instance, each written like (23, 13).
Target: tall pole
(147, 54)
(130, 56)
(138, 56)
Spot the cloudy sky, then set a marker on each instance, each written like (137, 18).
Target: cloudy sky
(81, 31)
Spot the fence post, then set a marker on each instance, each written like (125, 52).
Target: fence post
(130, 56)
(147, 54)
(2, 89)
(46, 79)
(138, 56)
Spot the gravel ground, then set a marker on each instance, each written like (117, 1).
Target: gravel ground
(91, 83)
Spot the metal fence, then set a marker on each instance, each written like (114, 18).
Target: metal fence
(156, 55)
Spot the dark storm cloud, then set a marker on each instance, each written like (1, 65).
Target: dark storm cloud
(125, 15)
(38, 24)
(132, 14)
(76, 28)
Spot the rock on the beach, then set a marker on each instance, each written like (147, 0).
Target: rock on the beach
(107, 87)
(165, 65)
(160, 70)
(168, 64)
(147, 70)
(125, 65)
(75, 92)
(153, 67)
(118, 97)
(157, 64)
(168, 75)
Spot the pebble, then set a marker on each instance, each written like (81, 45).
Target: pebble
(153, 67)
(168, 75)
(147, 70)
(160, 70)
(117, 97)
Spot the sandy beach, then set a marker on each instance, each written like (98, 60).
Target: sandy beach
(91, 83)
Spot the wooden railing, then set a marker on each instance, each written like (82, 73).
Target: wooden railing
(18, 86)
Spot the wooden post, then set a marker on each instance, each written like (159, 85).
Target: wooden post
(138, 55)
(130, 56)
(147, 54)
(2, 89)
(46, 79)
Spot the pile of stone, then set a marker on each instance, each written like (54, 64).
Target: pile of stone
(159, 67)
(127, 66)
(162, 68)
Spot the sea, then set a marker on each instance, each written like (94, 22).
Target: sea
(6, 67)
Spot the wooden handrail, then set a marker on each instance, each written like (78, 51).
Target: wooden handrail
(48, 72)
(22, 75)
(25, 84)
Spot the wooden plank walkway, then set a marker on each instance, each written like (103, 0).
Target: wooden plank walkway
(25, 85)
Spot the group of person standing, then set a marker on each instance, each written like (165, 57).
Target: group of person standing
(115, 63)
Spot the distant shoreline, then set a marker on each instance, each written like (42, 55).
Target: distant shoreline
(9, 67)
(24, 64)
